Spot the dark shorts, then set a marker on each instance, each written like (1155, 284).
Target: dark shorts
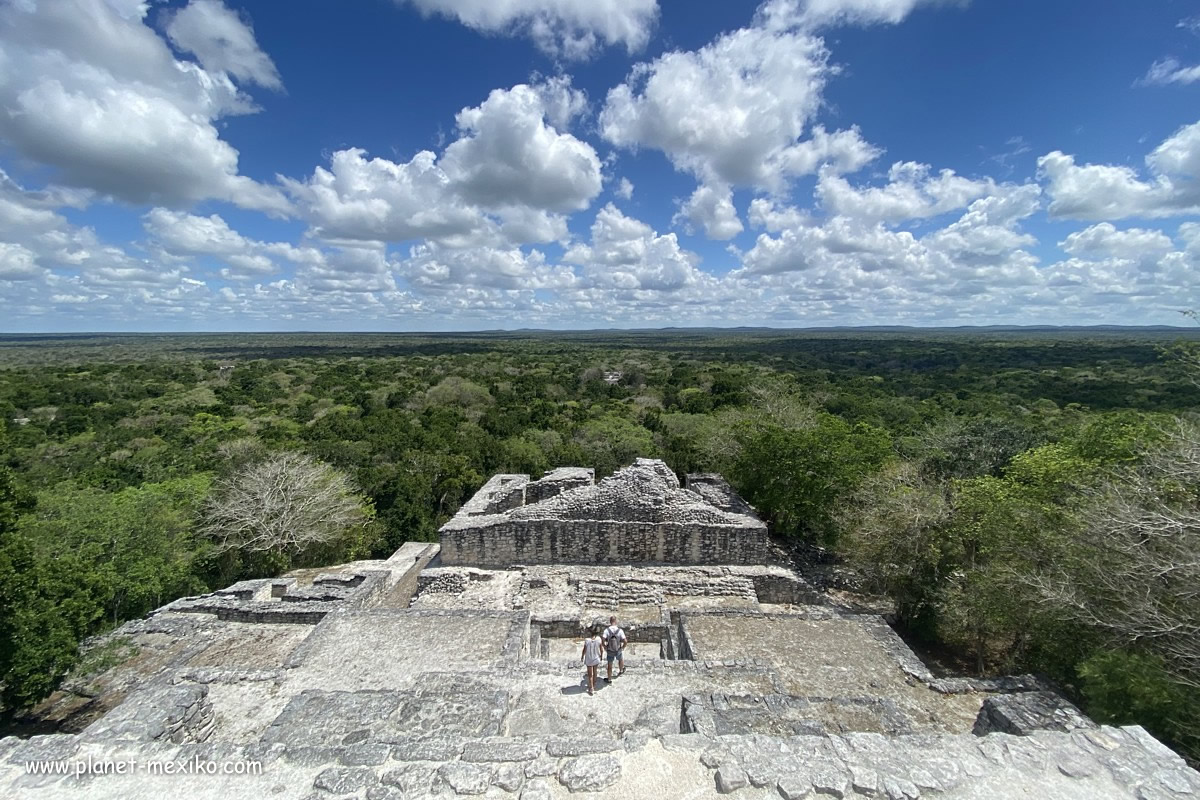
(617, 656)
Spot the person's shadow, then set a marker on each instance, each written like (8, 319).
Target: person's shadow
(581, 687)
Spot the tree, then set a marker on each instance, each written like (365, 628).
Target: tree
(285, 506)
(457, 392)
(611, 441)
(892, 534)
(1135, 573)
(139, 543)
(996, 531)
(45, 608)
(966, 448)
(796, 476)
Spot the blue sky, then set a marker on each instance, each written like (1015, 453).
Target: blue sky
(469, 164)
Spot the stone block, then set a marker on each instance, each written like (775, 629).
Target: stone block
(501, 750)
(509, 777)
(865, 781)
(369, 755)
(794, 788)
(896, 788)
(385, 793)
(536, 790)
(541, 767)
(1024, 713)
(411, 779)
(590, 773)
(730, 777)
(345, 780)
(830, 781)
(465, 778)
(427, 750)
(566, 748)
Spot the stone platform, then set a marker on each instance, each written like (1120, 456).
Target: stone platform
(412, 678)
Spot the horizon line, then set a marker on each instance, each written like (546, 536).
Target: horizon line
(669, 328)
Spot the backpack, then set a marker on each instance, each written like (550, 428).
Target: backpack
(613, 639)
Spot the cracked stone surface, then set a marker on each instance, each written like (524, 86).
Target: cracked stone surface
(590, 773)
(466, 778)
(343, 780)
(848, 679)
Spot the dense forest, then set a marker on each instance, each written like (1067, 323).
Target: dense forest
(1027, 501)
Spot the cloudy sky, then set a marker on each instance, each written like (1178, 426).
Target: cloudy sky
(469, 164)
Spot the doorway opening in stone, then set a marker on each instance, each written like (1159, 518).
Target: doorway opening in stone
(559, 641)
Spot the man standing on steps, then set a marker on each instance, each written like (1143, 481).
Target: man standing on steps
(614, 646)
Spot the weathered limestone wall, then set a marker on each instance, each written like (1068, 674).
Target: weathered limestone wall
(784, 589)
(717, 491)
(602, 542)
(420, 555)
(557, 481)
(173, 713)
(501, 493)
(284, 600)
(638, 515)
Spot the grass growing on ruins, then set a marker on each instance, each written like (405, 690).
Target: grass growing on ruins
(96, 660)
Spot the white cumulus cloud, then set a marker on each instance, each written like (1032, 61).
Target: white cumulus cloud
(379, 200)
(626, 253)
(100, 98)
(179, 235)
(17, 263)
(1108, 192)
(509, 156)
(910, 193)
(222, 41)
(1103, 240)
(734, 112)
(509, 178)
(438, 269)
(712, 208)
(572, 29)
(819, 13)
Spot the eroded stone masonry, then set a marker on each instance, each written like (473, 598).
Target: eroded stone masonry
(641, 515)
(452, 670)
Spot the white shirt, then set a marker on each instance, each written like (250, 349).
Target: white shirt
(591, 651)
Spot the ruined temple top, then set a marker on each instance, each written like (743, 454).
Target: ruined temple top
(639, 514)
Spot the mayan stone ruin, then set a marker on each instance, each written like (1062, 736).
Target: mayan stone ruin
(639, 516)
(453, 669)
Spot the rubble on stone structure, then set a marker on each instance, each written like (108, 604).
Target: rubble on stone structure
(639, 515)
(417, 677)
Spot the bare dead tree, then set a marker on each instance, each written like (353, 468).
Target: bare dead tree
(1136, 570)
(285, 504)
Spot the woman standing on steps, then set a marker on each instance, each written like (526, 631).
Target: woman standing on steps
(592, 648)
